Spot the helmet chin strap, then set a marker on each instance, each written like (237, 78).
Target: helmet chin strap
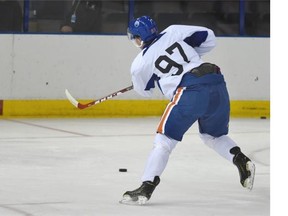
(137, 45)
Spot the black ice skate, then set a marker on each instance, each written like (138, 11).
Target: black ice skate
(142, 194)
(245, 167)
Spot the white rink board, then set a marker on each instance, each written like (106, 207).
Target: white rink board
(42, 66)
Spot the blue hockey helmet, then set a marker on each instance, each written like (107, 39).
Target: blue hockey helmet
(143, 27)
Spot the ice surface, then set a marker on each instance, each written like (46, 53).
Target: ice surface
(70, 167)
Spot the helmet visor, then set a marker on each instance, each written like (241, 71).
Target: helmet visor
(132, 37)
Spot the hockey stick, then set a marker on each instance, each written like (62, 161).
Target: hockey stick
(92, 103)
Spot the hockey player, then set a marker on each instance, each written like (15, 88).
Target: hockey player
(196, 90)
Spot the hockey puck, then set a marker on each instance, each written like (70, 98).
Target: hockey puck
(122, 170)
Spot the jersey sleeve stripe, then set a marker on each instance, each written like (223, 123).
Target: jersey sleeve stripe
(196, 39)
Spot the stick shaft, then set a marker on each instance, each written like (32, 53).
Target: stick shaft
(94, 102)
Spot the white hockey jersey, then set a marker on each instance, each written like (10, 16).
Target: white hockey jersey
(176, 51)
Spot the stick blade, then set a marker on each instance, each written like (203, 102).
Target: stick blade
(71, 99)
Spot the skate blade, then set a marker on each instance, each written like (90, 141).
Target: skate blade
(249, 182)
(127, 200)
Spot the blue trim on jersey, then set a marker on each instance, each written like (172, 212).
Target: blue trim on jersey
(196, 39)
(146, 46)
(151, 82)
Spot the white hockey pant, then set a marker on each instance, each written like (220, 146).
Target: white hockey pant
(221, 145)
(164, 145)
(158, 157)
